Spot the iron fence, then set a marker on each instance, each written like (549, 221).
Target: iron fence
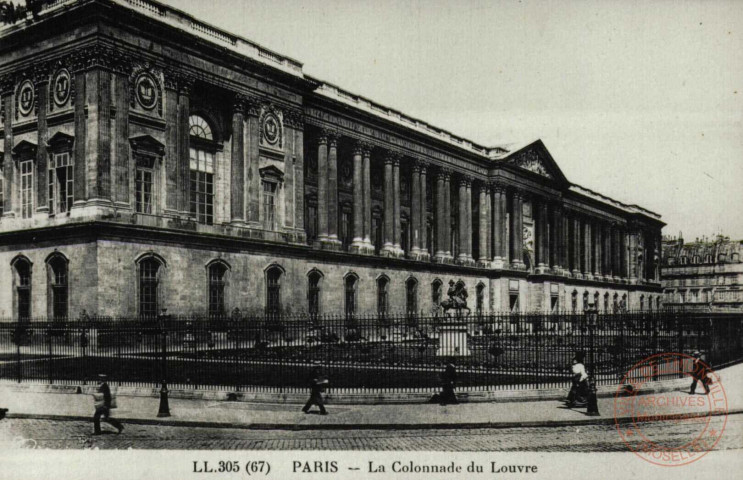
(371, 353)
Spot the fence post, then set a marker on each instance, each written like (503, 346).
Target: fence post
(49, 335)
(18, 335)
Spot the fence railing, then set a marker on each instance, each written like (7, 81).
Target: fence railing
(372, 353)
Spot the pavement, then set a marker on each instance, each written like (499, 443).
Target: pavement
(23, 403)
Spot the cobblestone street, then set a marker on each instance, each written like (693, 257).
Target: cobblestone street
(27, 433)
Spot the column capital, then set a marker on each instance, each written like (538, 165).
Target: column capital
(392, 157)
(333, 137)
(497, 186)
(239, 103)
(465, 181)
(420, 164)
(322, 137)
(444, 173)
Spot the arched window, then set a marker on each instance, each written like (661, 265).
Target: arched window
(574, 301)
(657, 303)
(585, 301)
(405, 234)
(149, 270)
(273, 290)
(596, 304)
(436, 293)
(350, 283)
(615, 305)
(313, 292)
(202, 167)
(642, 303)
(411, 291)
(216, 271)
(382, 293)
(480, 298)
(606, 302)
(58, 287)
(22, 267)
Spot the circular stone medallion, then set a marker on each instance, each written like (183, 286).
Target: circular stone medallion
(61, 87)
(26, 98)
(271, 129)
(146, 92)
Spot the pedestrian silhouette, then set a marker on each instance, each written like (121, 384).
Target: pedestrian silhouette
(104, 402)
(318, 382)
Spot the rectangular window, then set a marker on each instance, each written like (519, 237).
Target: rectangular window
(27, 188)
(202, 186)
(143, 190)
(60, 183)
(269, 205)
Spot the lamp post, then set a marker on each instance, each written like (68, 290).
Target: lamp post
(592, 314)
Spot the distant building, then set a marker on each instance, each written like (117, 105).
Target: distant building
(152, 161)
(706, 274)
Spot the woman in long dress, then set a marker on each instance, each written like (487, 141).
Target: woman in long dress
(578, 396)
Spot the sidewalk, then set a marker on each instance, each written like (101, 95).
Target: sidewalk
(227, 414)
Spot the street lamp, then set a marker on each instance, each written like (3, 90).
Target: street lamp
(592, 314)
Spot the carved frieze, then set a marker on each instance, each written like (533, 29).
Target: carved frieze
(530, 160)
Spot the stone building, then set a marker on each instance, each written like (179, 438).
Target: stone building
(151, 161)
(706, 274)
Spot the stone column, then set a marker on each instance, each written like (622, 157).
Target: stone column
(462, 256)
(517, 231)
(237, 159)
(9, 186)
(42, 167)
(170, 101)
(184, 155)
(322, 188)
(366, 181)
(632, 255)
(597, 268)
(415, 211)
(358, 199)
(616, 269)
(576, 247)
(396, 205)
(606, 254)
(439, 248)
(388, 248)
(541, 237)
(483, 259)
(253, 184)
(587, 269)
(80, 191)
(447, 225)
(554, 239)
(423, 217)
(333, 190)
(500, 242)
(624, 254)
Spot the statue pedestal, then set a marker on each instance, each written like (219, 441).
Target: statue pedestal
(453, 341)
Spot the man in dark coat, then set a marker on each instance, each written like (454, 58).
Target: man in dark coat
(698, 373)
(449, 380)
(103, 406)
(317, 385)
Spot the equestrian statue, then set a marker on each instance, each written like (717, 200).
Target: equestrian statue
(457, 299)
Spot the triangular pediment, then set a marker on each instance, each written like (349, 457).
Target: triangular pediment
(147, 144)
(536, 159)
(24, 150)
(61, 140)
(271, 173)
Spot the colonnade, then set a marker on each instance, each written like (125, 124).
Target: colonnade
(566, 241)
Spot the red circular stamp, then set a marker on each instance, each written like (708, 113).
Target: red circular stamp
(671, 428)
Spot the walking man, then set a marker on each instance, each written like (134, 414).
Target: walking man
(104, 402)
(698, 373)
(318, 382)
(448, 380)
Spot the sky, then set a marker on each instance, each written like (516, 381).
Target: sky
(640, 101)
